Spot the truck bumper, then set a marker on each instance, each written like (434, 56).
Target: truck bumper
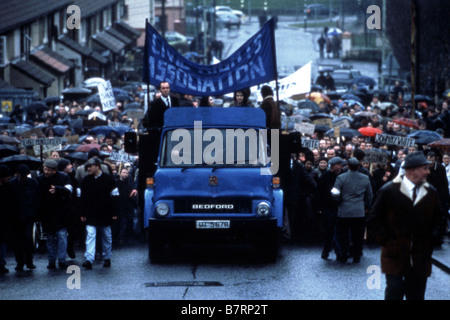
(240, 230)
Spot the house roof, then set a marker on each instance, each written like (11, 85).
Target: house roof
(33, 72)
(89, 7)
(119, 35)
(17, 13)
(83, 50)
(54, 61)
(126, 29)
(109, 42)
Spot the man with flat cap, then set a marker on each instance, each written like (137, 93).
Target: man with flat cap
(407, 221)
(56, 192)
(99, 207)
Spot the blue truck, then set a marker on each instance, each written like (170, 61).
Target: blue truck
(214, 179)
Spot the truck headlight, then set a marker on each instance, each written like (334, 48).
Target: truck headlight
(162, 209)
(263, 209)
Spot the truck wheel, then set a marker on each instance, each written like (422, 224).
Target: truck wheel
(155, 249)
(267, 249)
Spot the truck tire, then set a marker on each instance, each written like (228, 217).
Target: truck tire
(155, 249)
(267, 248)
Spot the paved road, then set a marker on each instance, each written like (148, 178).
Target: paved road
(214, 273)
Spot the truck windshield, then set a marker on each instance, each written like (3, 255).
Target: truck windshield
(214, 147)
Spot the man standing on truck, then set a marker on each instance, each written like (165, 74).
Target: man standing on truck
(155, 114)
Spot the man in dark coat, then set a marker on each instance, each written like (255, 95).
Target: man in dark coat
(7, 210)
(56, 190)
(302, 186)
(127, 200)
(407, 220)
(438, 179)
(326, 206)
(99, 203)
(273, 115)
(155, 113)
(27, 200)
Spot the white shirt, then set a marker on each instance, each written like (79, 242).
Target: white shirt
(410, 186)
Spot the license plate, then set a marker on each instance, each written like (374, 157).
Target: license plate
(213, 224)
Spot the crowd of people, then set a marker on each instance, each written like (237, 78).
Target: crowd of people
(330, 189)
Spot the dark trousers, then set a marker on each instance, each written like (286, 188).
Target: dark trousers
(354, 228)
(329, 230)
(23, 243)
(411, 286)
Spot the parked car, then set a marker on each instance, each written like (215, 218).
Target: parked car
(177, 40)
(227, 9)
(318, 10)
(228, 19)
(343, 78)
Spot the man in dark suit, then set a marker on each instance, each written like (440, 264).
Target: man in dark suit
(273, 120)
(407, 220)
(155, 114)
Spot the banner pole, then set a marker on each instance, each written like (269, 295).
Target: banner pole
(274, 54)
(145, 64)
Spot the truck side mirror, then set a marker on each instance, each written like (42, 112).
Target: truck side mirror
(131, 142)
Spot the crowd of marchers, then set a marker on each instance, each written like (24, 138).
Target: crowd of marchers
(334, 192)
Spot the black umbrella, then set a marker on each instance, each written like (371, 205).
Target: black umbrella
(317, 87)
(7, 150)
(308, 104)
(321, 128)
(80, 156)
(422, 98)
(133, 105)
(36, 106)
(103, 130)
(424, 136)
(95, 98)
(85, 112)
(123, 97)
(319, 116)
(70, 147)
(59, 130)
(53, 99)
(345, 132)
(76, 124)
(13, 161)
(350, 96)
(22, 128)
(364, 80)
(8, 140)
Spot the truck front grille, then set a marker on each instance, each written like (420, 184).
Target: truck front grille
(213, 206)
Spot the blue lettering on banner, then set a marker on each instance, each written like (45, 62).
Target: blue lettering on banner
(250, 65)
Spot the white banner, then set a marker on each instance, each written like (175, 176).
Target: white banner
(296, 83)
(106, 94)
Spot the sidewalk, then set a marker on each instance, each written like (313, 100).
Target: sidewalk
(441, 256)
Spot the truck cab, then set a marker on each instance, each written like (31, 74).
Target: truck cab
(214, 180)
